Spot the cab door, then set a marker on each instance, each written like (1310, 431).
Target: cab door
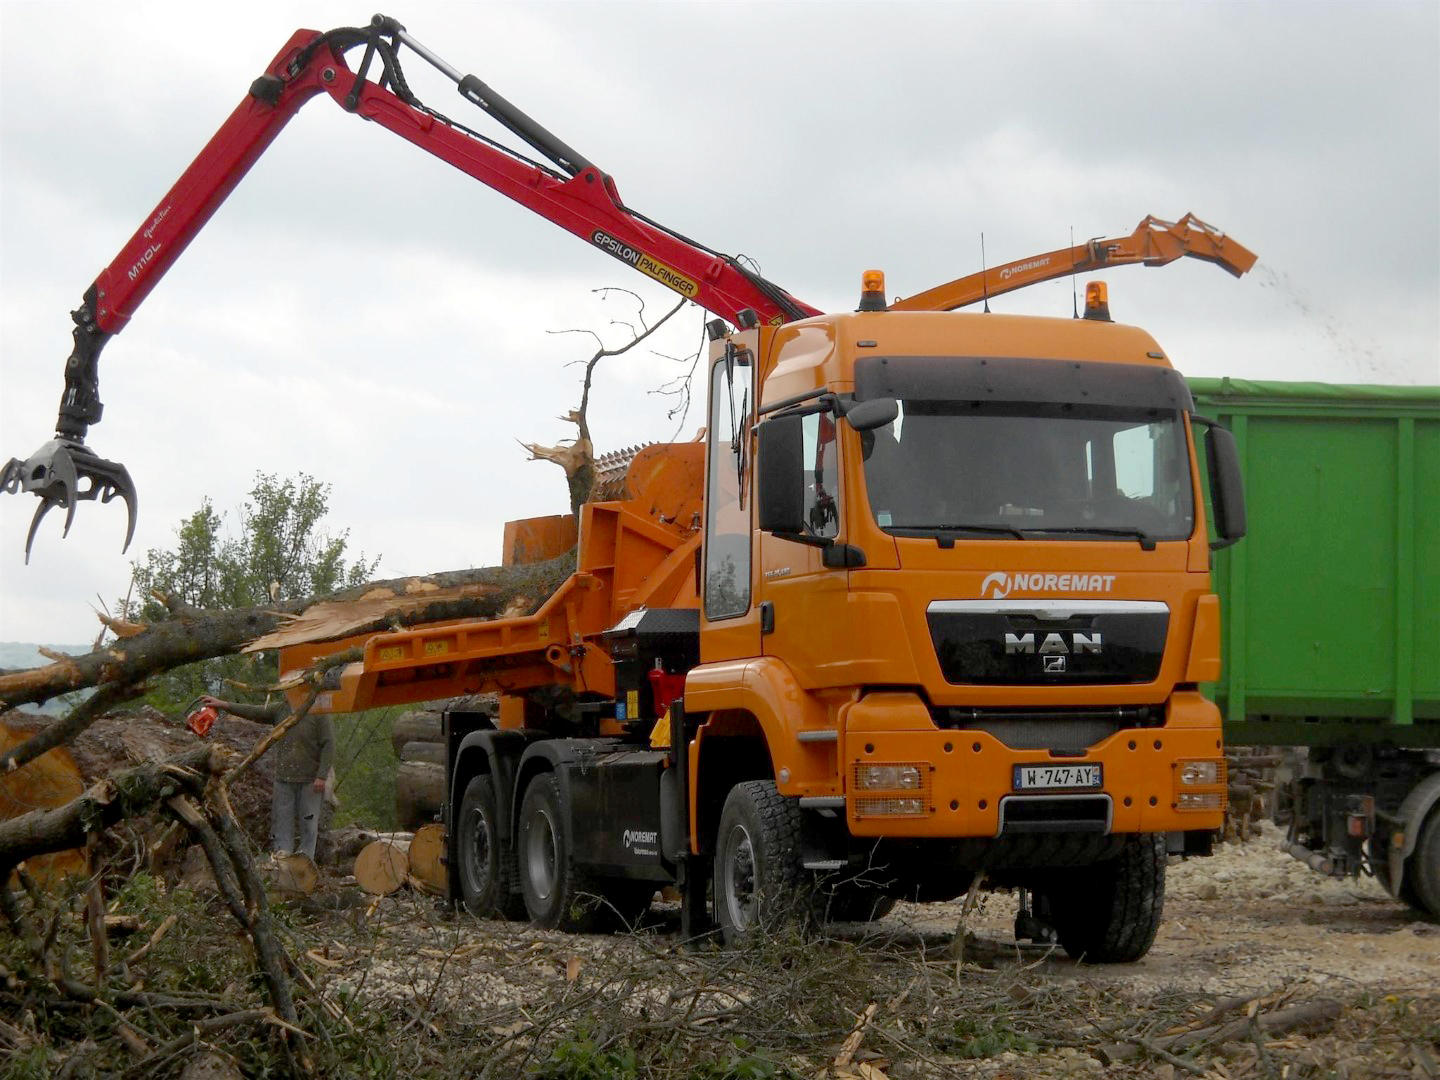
(729, 619)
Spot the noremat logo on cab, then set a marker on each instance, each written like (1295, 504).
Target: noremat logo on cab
(1003, 583)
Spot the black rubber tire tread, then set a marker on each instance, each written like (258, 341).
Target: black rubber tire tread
(491, 895)
(1422, 868)
(774, 823)
(1109, 913)
(574, 904)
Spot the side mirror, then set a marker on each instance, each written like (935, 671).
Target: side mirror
(1227, 486)
(876, 413)
(780, 475)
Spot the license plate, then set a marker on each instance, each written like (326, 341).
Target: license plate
(1042, 777)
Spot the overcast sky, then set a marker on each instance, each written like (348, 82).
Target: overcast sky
(360, 312)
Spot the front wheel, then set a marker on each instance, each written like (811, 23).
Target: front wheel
(1108, 913)
(759, 876)
(486, 871)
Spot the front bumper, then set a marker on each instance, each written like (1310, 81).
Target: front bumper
(960, 783)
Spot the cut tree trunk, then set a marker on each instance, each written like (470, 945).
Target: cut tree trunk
(419, 793)
(294, 875)
(51, 780)
(427, 855)
(349, 841)
(382, 868)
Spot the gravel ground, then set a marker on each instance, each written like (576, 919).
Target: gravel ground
(1249, 922)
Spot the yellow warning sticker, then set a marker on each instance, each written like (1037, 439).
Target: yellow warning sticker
(435, 648)
(632, 703)
(392, 652)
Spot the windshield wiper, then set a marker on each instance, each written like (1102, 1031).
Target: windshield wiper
(1146, 543)
(938, 530)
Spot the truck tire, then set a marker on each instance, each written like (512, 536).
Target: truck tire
(486, 874)
(1422, 869)
(1108, 913)
(558, 894)
(760, 881)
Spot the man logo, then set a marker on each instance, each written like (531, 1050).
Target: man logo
(1054, 663)
(1054, 644)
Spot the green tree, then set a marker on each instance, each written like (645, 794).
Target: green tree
(279, 551)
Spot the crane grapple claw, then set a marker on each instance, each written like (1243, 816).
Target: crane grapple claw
(65, 472)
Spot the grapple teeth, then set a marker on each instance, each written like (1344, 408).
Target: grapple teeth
(40, 512)
(56, 471)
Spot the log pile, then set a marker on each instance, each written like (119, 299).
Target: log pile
(419, 745)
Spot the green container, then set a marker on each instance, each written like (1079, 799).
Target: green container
(1331, 603)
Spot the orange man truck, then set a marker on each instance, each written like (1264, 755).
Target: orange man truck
(931, 600)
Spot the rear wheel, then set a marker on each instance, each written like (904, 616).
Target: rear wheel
(1108, 913)
(760, 881)
(1422, 869)
(558, 894)
(486, 872)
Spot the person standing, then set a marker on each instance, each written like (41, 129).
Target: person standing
(303, 758)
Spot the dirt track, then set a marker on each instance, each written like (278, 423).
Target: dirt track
(1244, 921)
(1248, 923)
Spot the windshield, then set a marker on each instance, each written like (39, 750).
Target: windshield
(1030, 470)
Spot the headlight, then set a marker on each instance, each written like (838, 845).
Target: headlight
(888, 777)
(1200, 773)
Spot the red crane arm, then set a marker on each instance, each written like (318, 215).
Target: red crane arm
(585, 203)
(576, 196)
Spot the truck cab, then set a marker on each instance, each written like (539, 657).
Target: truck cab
(956, 599)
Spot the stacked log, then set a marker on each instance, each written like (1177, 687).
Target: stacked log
(1251, 779)
(419, 743)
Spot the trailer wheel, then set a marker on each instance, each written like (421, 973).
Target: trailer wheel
(558, 894)
(760, 881)
(1422, 869)
(486, 874)
(1108, 913)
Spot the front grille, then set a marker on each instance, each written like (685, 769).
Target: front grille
(1049, 729)
(1048, 642)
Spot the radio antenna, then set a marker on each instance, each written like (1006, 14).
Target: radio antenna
(1074, 296)
(984, 275)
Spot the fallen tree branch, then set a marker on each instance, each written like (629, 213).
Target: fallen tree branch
(192, 635)
(126, 794)
(62, 731)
